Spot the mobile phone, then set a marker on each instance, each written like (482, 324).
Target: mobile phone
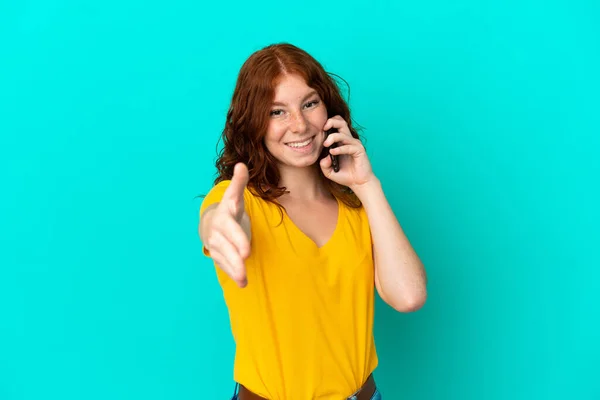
(335, 162)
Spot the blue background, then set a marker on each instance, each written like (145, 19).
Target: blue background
(481, 119)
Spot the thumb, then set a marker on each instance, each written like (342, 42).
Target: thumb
(239, 181)
(326, 166)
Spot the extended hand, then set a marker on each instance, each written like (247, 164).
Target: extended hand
(226, 240)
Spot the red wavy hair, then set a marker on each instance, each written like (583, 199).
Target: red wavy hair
(248, 118)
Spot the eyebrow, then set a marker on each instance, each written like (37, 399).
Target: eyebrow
(310, 94)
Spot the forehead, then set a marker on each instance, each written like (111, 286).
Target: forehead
(291, 88)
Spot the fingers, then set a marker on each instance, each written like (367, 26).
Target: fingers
(336, 122)
(234, 233)
(228, 243)
(227, 257)
(349, 149)
(340, 139)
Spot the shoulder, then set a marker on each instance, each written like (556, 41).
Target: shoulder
(356, 217)
(358, 211)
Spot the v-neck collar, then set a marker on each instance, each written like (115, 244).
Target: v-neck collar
(306, 238)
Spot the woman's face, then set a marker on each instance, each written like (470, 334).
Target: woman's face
(295, 133)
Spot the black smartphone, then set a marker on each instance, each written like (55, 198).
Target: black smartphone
(335, 162)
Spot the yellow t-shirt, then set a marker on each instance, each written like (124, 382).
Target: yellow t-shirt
(303, 325)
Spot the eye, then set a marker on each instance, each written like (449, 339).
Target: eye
(275, 113)
(312, 103)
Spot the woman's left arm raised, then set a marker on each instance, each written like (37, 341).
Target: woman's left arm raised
(400, 276)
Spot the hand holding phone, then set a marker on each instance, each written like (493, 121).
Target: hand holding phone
(335, 163)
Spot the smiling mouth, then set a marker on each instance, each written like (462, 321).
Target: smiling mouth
(299, 145)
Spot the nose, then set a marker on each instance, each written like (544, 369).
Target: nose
(298, 123)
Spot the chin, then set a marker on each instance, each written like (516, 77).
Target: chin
(304, 162)
(298, 164)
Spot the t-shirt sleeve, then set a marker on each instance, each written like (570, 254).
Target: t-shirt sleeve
(214, 196)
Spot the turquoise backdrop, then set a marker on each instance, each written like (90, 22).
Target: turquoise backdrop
(481, 118)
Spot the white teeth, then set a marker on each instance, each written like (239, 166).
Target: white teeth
(300, 144)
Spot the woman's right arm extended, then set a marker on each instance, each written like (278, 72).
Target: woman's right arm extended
(225, 228)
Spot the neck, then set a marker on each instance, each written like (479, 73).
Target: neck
(303, 183)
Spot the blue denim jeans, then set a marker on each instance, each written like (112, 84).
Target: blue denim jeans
(376, 395)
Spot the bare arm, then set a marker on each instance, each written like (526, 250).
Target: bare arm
(400, 277)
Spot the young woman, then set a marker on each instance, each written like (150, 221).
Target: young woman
(300, 248)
